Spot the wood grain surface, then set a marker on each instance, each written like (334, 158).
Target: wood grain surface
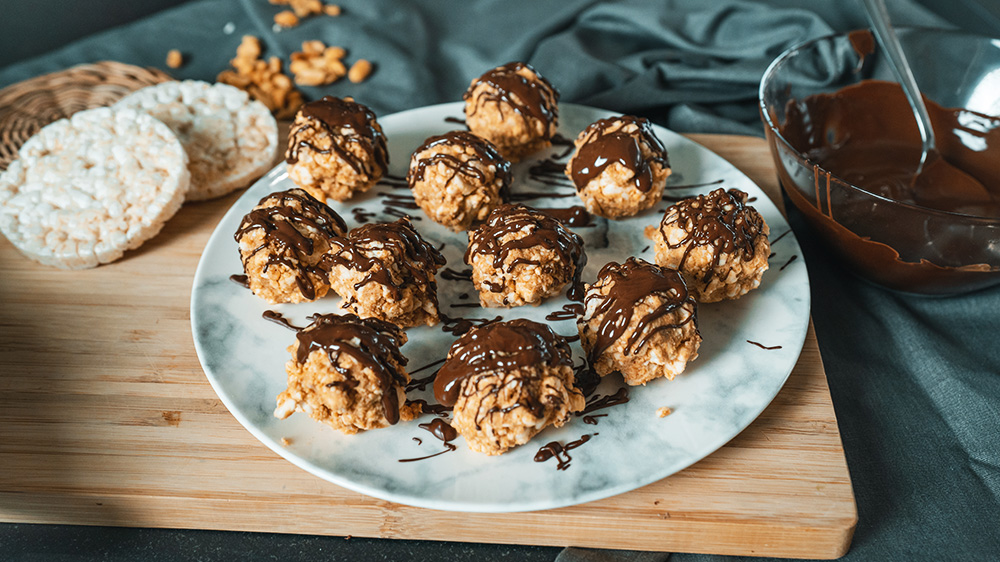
(108, 419)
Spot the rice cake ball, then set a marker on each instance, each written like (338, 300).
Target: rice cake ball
(717, 242)
(641, 320)
(506, 382)
(83, 190)
(348, 373)
(619, 167)
(458, 178)
(282, 244)
(336, 148)
(521, 255)
(386, 271)
(513, 107)
(229, 138)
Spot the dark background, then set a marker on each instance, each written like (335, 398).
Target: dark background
(30, 28)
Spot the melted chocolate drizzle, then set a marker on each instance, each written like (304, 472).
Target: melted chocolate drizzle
(443, 431)
(241, 280)
(376, 348)
(628, 285)
(461, 326)
(440, 429)
(500, 347)
(361, 216)
(720, 219)
(542, 230)
(425, 407)
(452, 275)
(603, 147)
(560, 451)
(401, 201)
(574, 216)
(789, 262)
(600, 402)
(283, 227)
(279, 319)
(530, 99)
(483, 152)
(764, 347)
(568, 312)
(343, 124)
(549, 172)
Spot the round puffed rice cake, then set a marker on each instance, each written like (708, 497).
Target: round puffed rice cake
(85, 189)
(230, 139)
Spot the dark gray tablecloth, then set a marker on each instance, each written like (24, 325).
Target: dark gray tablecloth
(915, 381)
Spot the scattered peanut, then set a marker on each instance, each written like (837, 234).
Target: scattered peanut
(263, 80)
(286, 19)
(174, 58)
(317, 64)
(285, 441)
(306, 8)
(664, 412)
(359, 71)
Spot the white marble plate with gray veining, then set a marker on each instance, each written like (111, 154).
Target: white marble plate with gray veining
(719, 394)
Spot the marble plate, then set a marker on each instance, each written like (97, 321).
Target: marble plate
(721, 392)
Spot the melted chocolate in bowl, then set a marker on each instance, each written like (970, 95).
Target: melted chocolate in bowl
(847, 160)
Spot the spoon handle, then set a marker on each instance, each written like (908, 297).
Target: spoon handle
(886, 37)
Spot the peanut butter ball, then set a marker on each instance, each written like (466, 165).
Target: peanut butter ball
(458, 178)
(507, 381)
(523, 256)
(386, 271)
(282, 243)
(513, 107)
(336, 149)
(619, 167)
(717, 242)
(639, 319)
(348, 373)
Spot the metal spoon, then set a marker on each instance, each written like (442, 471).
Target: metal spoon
(935, 182)
(886, 37)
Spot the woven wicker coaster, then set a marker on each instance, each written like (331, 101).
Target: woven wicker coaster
(28, 106)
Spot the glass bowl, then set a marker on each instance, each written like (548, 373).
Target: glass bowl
(899, 245)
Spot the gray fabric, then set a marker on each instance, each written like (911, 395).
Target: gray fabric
(915, 381)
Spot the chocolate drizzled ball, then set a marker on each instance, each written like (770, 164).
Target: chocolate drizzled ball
(348, 373)
(717, 242)
(507, 381)
(386, 271)
(282, 242)
(336, 149)
(513, 107)
(639, 319)
(520, 256)
(619, 167)
(458, 178)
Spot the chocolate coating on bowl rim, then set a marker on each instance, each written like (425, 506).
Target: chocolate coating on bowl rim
(276, 221)
(378, 342)
(331, 115)
(546, 232)
(602, 148)
(535, 99)
(708, 222)
(483, 150)
(500, 347)
(631, 283)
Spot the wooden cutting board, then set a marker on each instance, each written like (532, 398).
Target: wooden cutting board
(108, 419)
